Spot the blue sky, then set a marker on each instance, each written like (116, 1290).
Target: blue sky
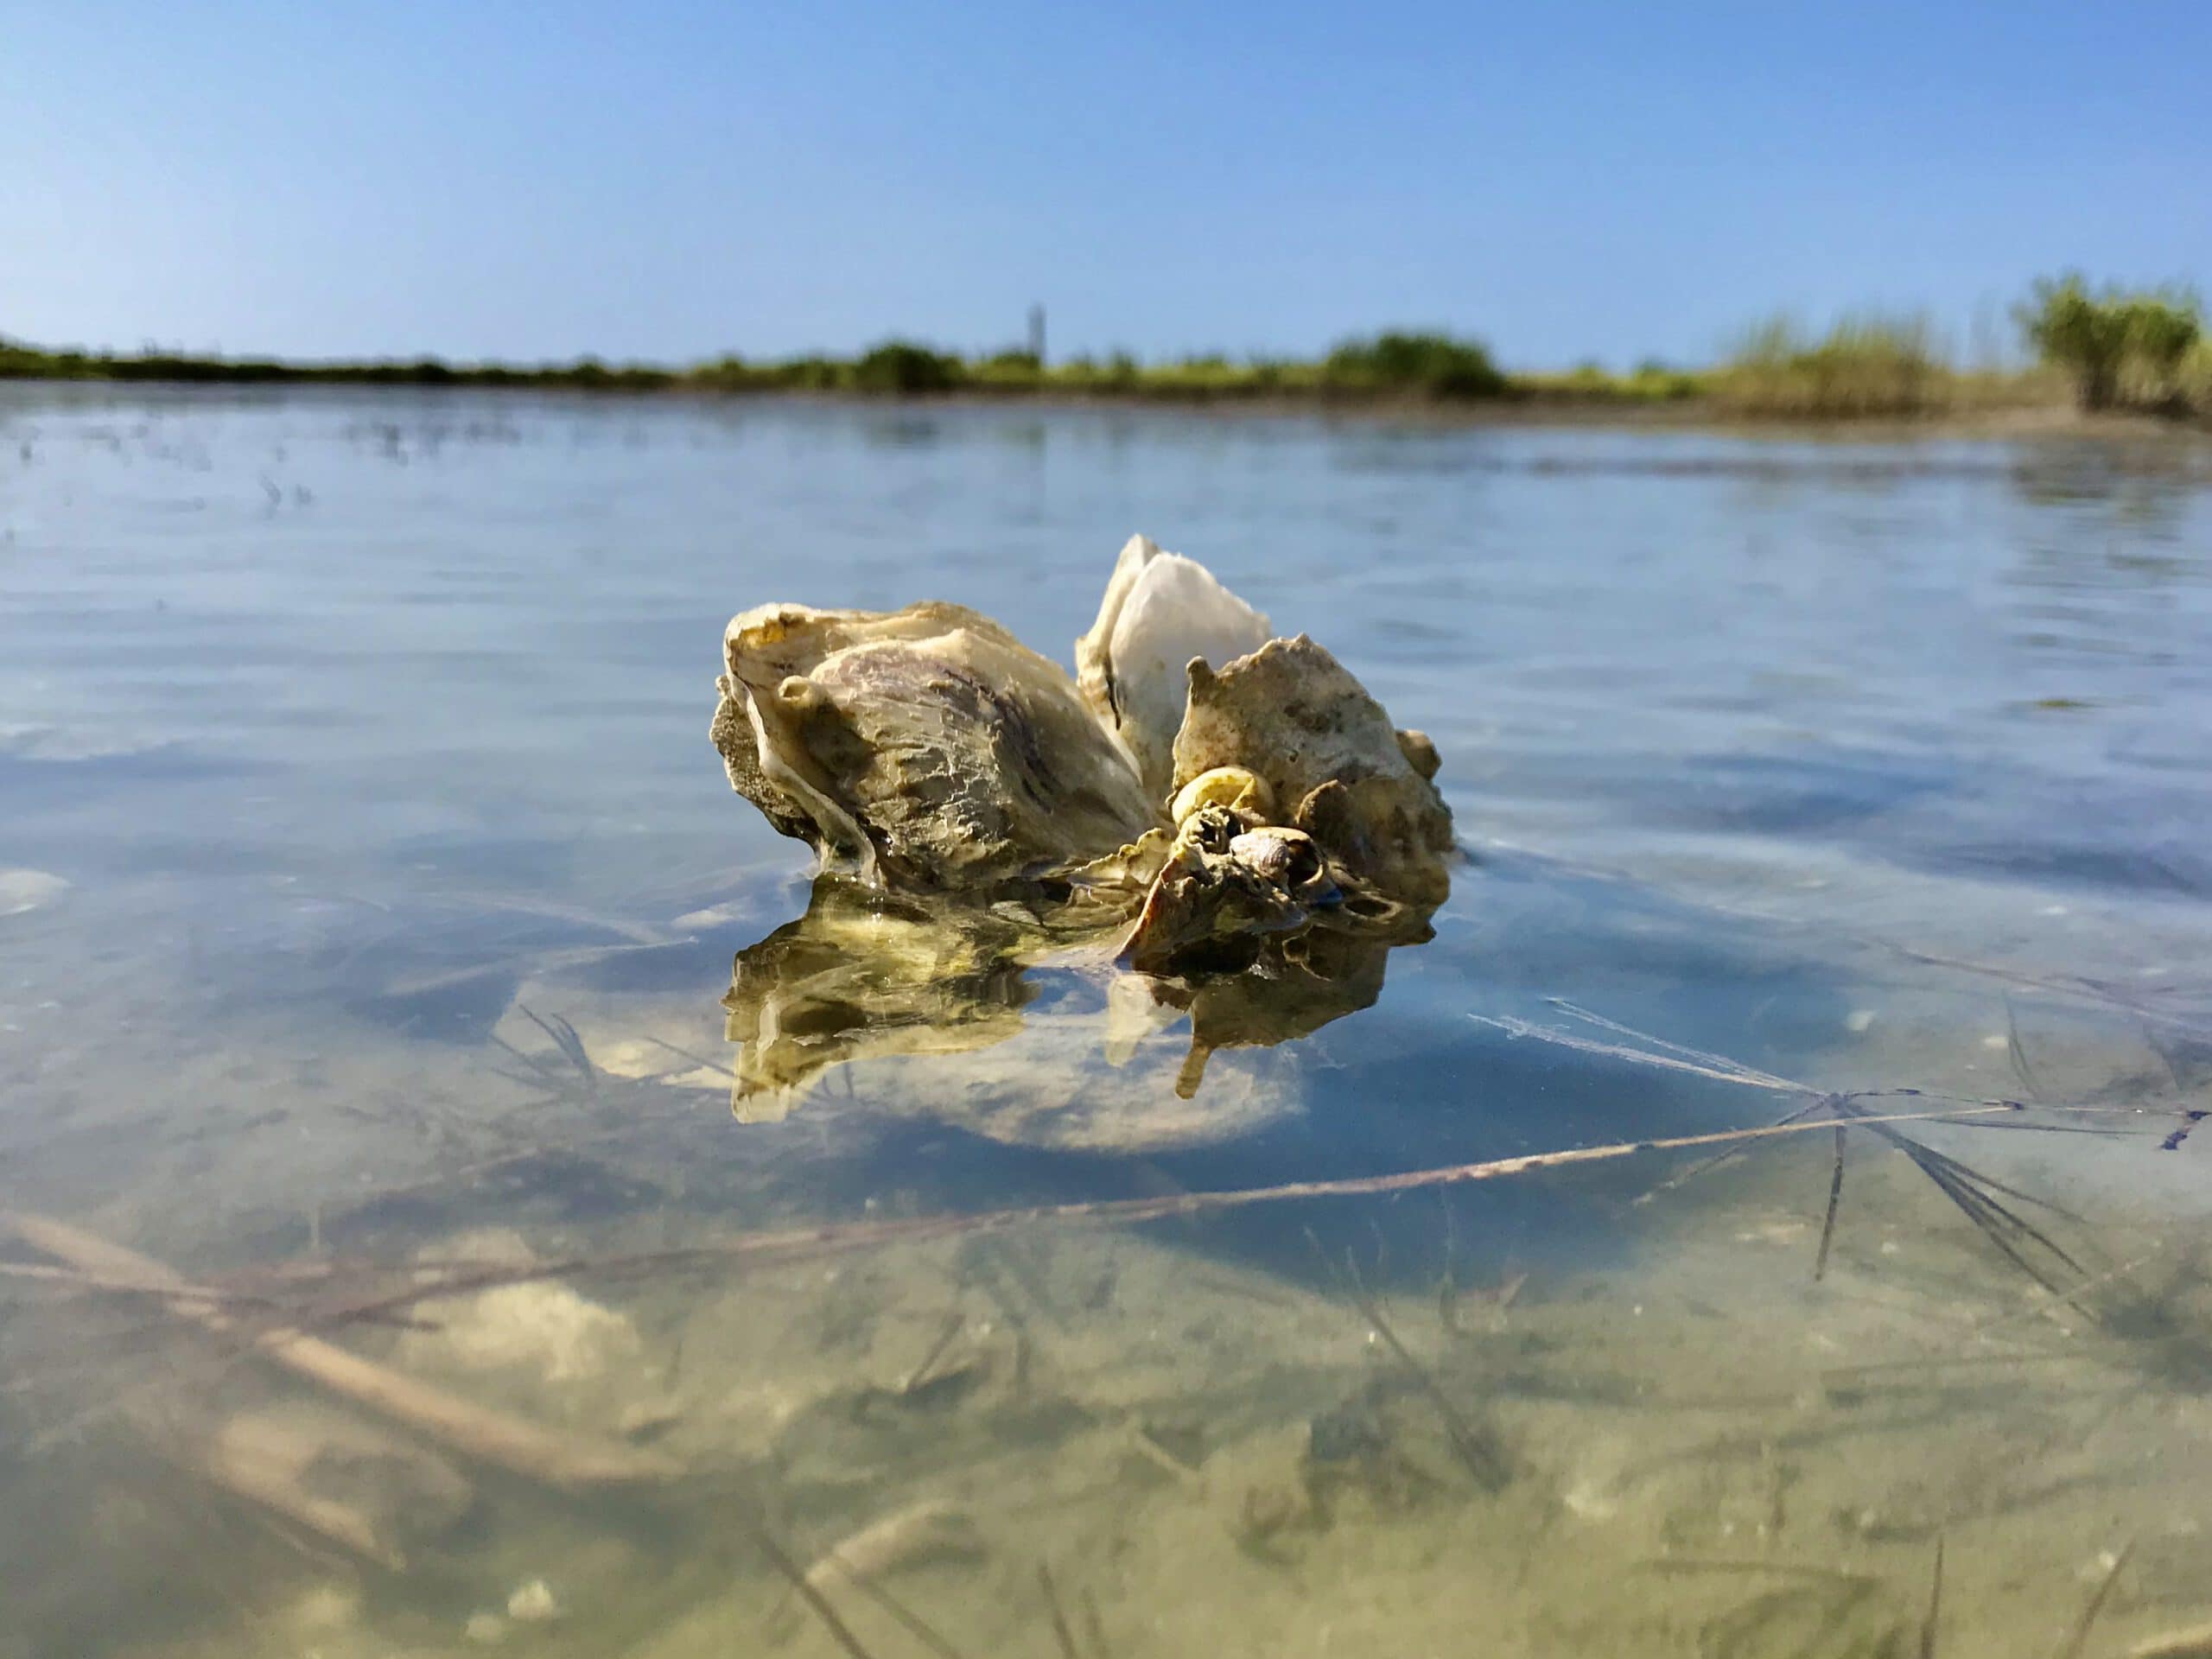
(540, 181)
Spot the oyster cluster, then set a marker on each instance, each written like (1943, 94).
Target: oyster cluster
(1230, 810)
(1200, 785)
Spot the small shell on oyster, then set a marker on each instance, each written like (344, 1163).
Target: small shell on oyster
(1224, 887)
(1231, 786)
(1420, 750)
(1290, 714)
(1289, 858)
(928, 747)
(1160, 611)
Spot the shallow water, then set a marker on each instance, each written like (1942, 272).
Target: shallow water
(369, 894)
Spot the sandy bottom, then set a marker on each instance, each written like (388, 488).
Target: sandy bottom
(1073, 1439)
(1210, 1436)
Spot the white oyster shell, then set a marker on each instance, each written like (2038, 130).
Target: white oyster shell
(928, 747)
(1159, 612)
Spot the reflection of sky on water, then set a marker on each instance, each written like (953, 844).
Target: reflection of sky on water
(386, 709)
(353, 753)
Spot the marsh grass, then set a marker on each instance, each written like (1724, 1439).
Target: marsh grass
(1394, 366)
(1649, 382)
(2142, 352)
(2193, 378)
(19, 361)
(1869, 364)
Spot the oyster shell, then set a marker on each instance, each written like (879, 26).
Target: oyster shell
(927, 747)
(1159, 612)
(1295, 717)
(995, 811)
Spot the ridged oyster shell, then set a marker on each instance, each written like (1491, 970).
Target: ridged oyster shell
(1295, 717)
(926, 747)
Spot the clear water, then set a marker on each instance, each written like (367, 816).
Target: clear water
(346, 738)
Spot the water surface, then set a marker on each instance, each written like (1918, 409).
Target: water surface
(369, 894)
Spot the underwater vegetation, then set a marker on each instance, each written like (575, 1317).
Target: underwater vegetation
(1043, 1427)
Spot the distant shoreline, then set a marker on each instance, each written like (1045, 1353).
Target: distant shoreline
(2044, 418)
(2106, 351)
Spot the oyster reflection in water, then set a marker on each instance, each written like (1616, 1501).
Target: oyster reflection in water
(1241, 844)
(865, 974)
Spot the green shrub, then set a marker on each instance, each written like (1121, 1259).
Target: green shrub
(2193, 379)
(1006, 372)
(1655, 379)
(905, 369)
(2162, 330)
(2119, 345)
(812, 373)
(1431, 365)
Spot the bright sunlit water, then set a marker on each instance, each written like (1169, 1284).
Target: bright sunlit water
(369, 891)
